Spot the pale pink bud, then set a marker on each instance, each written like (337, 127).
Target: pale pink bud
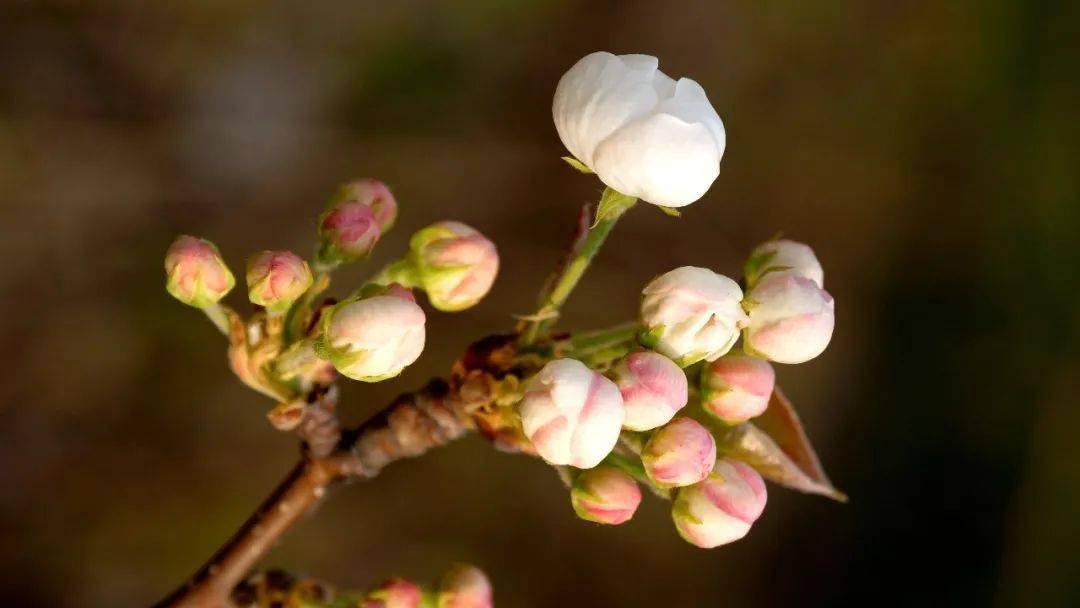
(691, 314)
(653, 389)
(571, 414)
(276, 279)
(197, 276)
(348, 231)
(394, 593)
(454, 264)
(720, 509)
(465, 586)
(374, 338)
(736, 388)
(679, 454)
(605, 495)
(783, 255)
(373, 194)
(791, 318)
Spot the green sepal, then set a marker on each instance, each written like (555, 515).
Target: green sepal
(671, 211)
(577, 164)
(612, 205)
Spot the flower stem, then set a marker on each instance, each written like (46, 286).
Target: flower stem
(216, 313)
(586, 245)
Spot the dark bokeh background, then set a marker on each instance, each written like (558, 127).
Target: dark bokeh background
(925, 149)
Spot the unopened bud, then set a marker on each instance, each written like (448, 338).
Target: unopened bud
(373, 194)
(454, 264)
(465, 586)
(691, 314)
(373, 338)
(720, 509)
(394, 593)
(791, 318)
(348, 231)
(653, 389)
(783, 255)
(197, 276)
(605, 495)
(571, 414)
(276, 279)
(679, 454)
(736, 388)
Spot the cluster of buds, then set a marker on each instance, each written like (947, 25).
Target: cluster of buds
(464, 586)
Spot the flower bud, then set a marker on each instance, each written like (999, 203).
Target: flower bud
(394, 593)
(736, 388)
(372, 338)
(691, 314)
(372, 194)
(791, 318)
(197, 276)
(465, 586)
(605, 495)
(653, 389)
(454, 264)
(276, 279)
(679, 454)
(571, 414)
(720, 509)
(783, 255)
(348, 231)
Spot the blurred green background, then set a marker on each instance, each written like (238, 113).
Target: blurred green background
(927, 150)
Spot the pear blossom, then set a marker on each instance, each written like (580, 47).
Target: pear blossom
(680, 453)
(394, 593)
(276, 279)
(783, 255)
(571, 414)
(373, 194)
(605, 495)
(653, 388)
(791, 318)
(720, 509)
(454, 263)
(373, 338)
(348, 231)
(465, 586)
(691, 314)
(642, 133)
(736, 388)
(197, 276)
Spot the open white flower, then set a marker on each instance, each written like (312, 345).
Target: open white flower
(641, 132)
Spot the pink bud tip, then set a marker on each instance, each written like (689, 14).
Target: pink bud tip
(791, 318)
(653, 389)
(720, 509)
(736, 388)
(372, 194)
(197, 275)
(394, 593)
(465, 586)
(680, 453)
(276, 279)
(349, 231)
(605, 495)
(455, 264)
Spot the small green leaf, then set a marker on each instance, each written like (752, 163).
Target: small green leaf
(612, 204)
(673, 212)
(577, 164)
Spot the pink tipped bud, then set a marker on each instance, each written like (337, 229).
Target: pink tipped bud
(782, 255)
(571, 414)
(348, 231)
(679, 454)
(373, 338)
(465, 586)
(736, 388)
(720, 509)
(653, 389)
(454, 264)
(372, 194)
(605, 495)
(197, 276)
(394, 593)
(791, 318)
(276, 279)
(691, 314)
